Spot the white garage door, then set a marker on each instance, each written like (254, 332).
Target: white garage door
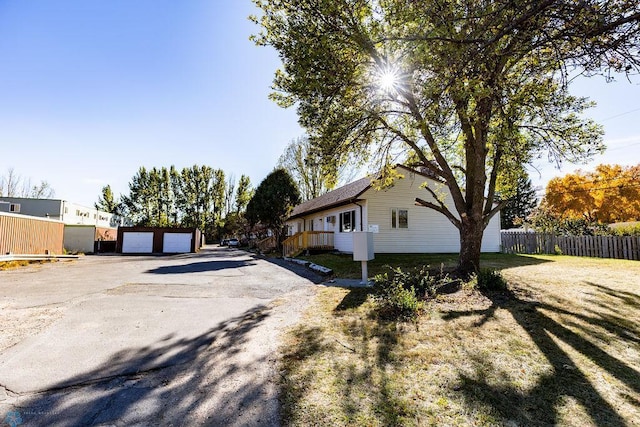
(135, 242)
(174, 243)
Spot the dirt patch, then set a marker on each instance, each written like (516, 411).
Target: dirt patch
(19, 324)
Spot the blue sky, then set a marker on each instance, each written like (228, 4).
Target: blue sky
(91, 90)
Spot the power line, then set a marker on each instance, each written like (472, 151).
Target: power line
(624, 146)
(621, 114)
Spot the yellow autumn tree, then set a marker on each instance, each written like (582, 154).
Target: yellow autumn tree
(609, 194)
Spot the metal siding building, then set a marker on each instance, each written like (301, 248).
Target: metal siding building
(67, 212)
(20, 234)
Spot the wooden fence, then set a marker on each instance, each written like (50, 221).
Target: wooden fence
(621, 247)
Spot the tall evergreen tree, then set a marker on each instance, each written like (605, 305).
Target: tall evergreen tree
(107, 201)
(520, 205)
(272, 202)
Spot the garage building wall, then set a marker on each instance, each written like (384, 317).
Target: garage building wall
(21, 234)
(158, 237)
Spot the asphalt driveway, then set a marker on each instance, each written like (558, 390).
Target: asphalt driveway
(173, 340)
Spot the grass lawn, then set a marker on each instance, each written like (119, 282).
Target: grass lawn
(560, 347)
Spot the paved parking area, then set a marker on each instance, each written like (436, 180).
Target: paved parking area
(187, 339)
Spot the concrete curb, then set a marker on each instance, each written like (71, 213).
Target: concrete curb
(30, 257)
(324, 271)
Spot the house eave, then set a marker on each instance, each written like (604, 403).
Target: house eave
(326, 207)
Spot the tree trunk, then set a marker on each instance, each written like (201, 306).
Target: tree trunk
(471, 232)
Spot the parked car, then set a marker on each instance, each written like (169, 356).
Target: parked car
(224, 242)
(233, 243)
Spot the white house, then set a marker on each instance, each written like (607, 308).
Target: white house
(399, 226)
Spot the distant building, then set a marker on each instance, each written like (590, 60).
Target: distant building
(62, 210)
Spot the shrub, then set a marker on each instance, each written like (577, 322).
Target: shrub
(395, 302)
(491, 280)
(419, 278)
(625, 230)
(399, 295)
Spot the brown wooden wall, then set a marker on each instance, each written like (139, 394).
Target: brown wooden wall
(21, 234)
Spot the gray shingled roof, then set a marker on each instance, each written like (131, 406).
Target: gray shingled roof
(340, 196)
(345, 194)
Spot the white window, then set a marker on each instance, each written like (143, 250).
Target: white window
(348, 221)
(399, 218)
(14, 207)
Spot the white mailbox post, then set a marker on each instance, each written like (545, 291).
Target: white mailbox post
(363, 251)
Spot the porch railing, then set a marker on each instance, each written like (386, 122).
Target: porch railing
(267, 244)
(305, 240)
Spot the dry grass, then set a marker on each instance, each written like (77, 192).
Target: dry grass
(561, 347)
(10, 265)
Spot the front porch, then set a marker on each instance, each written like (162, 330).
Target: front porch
(307, 240)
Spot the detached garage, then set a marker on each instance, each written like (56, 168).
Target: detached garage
(148, 240)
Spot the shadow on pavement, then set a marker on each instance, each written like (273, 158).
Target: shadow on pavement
(210, 379)
(199, 267)
(298, 269)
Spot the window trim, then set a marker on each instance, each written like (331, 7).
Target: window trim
(352, 222)
(395, 219)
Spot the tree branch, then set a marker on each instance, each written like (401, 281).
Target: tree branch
(455, 221)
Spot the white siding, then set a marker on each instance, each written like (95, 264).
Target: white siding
(341, 241)
(428, 231)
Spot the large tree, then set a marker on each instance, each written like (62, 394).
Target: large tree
(273, 201)
(607, 195)
(311, 172)
(470, 88)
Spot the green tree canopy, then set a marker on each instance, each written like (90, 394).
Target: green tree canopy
(244, 193)
(190, 197)
(313, 174)
(521, 201)
(107, 202)
(272, 202)
(469, 89)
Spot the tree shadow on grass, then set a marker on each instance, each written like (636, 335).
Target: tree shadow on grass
(208, 379)
(354, 299)
(539, 405)
(312, 357)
